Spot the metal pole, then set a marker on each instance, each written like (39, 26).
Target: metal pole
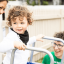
(52, 38)
(31, 56)
(42, 50)
(33, 49)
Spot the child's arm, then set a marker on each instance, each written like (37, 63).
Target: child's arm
(9, 43)
(5, 46)
(36, 38)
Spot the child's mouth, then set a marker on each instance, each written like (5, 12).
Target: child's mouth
(19, 29)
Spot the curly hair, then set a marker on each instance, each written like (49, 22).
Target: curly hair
(21, 12)
(3, 0)
(59, 35)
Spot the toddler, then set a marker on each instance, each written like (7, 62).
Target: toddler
(19, 19)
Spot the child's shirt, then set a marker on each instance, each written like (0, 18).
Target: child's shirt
(21, 56)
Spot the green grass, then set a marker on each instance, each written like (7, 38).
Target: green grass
(40, 60)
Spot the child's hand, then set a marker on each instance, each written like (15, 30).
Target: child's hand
(19, 45)
(39, 37)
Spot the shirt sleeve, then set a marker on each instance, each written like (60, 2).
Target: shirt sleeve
(32, 40)
(7, 44)
(4, 47)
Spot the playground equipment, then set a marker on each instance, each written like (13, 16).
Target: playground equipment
(39, 50)
(34, 49)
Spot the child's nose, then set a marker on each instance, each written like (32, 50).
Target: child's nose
(19, 25)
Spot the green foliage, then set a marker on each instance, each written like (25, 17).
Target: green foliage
(40, 60)
(33, 3)
(45, 2)
(27, 1)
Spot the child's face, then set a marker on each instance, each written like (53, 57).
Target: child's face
(58, 49)
(20, 26)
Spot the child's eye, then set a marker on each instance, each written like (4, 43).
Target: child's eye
(14, 23)
(0, 7)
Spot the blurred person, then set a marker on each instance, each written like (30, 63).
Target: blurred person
(3, 4)
(58, 50)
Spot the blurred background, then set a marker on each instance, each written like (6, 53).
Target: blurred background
(42, 2)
